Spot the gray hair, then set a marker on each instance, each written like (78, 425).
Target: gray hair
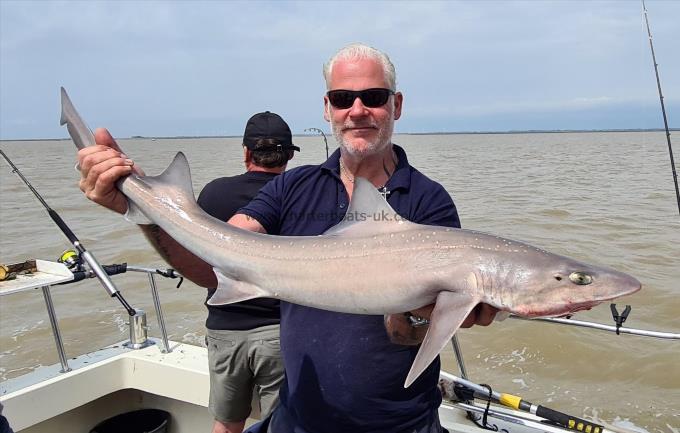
(358, 51)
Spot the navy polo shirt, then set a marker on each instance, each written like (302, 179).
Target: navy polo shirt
(342, 372)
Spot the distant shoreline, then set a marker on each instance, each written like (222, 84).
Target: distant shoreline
(538, 131)
(529, 131)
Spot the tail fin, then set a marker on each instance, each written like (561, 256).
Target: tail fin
(77, 129)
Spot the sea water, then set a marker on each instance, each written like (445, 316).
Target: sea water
(606, 198)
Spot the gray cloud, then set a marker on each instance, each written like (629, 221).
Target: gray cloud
(201, 68)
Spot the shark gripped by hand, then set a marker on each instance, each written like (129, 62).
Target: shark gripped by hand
(419, 265)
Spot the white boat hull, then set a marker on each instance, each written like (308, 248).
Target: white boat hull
(116, 379)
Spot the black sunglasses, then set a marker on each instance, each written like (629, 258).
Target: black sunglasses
(372, 98)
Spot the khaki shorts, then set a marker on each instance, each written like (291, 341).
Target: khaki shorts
(241, 362)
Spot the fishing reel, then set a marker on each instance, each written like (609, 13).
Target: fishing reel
(72, 260)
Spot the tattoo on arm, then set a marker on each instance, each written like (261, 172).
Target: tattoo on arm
(156, 236)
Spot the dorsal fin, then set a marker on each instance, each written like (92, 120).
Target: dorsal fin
(368, 213)
(177, 173)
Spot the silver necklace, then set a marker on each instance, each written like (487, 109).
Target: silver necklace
(383, 189)
(343, 170)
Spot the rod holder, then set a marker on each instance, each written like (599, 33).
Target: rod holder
(138, 331)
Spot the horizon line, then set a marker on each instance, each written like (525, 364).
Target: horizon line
(510, 131)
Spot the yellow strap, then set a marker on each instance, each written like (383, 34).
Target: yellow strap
(510, 400)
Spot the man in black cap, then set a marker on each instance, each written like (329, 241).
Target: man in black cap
(243, 338)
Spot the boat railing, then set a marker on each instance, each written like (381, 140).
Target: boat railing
(602, 327)
(45, 274)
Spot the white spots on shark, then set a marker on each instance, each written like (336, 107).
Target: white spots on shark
(293, 273)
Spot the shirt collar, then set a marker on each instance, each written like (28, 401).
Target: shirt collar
(401, 178)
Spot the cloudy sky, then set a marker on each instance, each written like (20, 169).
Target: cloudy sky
(164, 68)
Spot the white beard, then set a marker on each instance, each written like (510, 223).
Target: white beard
(374, 147)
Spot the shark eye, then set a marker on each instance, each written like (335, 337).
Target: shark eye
(580, 278)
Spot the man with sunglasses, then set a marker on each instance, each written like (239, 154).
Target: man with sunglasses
(344, 372)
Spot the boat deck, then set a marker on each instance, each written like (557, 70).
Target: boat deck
(180, 375)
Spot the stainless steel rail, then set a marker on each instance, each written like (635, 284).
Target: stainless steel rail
(459, 356)
(55, 329)
(138, 327)
(602, 327)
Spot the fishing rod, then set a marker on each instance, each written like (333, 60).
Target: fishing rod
(86, 255)
(663, 107)
(318, 131)
(73, 262)
(515, 402)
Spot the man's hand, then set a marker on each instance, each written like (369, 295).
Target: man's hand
(401, 332)
(482, 314)
(100, 167)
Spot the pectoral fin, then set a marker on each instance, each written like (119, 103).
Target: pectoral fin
(230, 290)
(449, 312)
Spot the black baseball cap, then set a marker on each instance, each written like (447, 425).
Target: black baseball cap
(268, 125)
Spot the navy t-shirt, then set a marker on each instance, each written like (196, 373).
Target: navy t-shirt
(221, 198)
(342, 372)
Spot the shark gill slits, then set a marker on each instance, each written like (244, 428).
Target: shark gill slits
(580, 278)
